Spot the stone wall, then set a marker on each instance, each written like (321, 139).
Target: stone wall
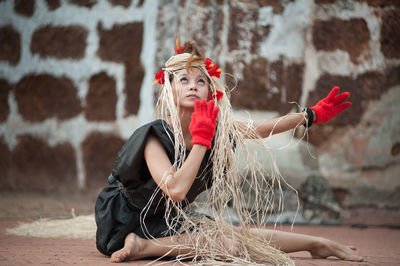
(75, 81)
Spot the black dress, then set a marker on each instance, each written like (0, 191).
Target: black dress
(119, 205)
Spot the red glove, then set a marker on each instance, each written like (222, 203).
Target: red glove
(330, 106)
(204, 120)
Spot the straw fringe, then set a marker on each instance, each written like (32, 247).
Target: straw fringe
(209, 237)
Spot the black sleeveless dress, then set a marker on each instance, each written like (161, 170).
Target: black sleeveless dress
(119, 206)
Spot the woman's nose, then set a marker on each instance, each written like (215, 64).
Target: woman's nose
(192, 86)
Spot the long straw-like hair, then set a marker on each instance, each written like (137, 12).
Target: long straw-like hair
(230, 186)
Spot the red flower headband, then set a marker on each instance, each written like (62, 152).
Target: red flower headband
(215, 94)
(213, 70)
(179, 49)
(159, 78)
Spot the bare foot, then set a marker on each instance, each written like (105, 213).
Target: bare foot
(325, 248)
(130, 251)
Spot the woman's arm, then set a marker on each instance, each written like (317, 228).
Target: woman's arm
(202, 128)
(174, 184)
(323, 111)
(276, 125)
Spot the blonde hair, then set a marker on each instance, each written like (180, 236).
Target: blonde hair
(229, 186)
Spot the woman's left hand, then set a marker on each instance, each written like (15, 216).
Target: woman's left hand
(330, 106)
(204, 119)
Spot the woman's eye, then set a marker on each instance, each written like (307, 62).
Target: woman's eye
(201, 81)
(183, 80)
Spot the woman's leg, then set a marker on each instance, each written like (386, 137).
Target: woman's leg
(318, 247)
(137, 248)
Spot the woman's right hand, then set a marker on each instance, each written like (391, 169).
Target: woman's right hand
(330, 106)
(204, 120)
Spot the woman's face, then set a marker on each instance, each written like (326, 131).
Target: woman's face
(189, 86)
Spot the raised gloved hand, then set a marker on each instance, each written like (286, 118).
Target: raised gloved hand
(330, 106)
(204, 120)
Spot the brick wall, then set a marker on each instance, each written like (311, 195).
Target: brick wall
(75, 79)
(70, 82)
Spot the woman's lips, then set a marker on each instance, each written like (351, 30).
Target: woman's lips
(193, 96)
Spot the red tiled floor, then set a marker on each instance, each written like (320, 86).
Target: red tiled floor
(378, 245)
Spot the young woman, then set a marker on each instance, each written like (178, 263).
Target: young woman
(145, 210)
